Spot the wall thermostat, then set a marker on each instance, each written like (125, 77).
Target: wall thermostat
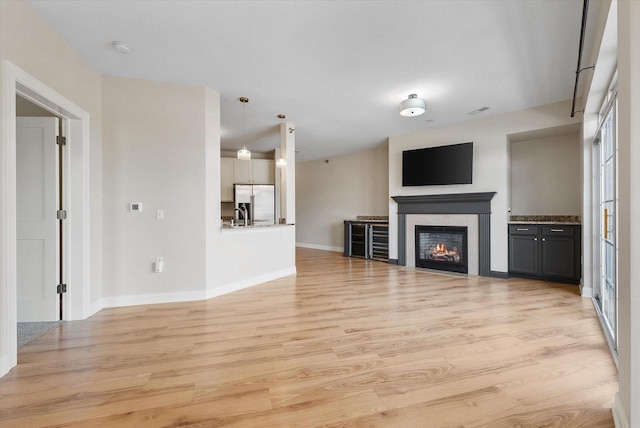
(135, 206)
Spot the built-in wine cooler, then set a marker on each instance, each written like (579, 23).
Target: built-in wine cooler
(379, 239)
(366, 239)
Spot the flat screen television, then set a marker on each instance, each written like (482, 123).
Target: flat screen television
(438, 165)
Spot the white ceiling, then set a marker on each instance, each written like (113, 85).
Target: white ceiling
(337, 69)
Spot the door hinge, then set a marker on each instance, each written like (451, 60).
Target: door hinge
(61, 140)
(62, 288)
(61, 214)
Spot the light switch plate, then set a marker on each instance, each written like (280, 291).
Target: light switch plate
(159, 214)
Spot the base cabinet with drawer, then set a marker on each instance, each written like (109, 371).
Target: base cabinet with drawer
(549, 252)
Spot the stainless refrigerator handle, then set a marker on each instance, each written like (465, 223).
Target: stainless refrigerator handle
(251, 209)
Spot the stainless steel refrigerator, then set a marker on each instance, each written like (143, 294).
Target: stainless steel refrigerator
(259, 201)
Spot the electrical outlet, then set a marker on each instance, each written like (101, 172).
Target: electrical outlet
(159, 264)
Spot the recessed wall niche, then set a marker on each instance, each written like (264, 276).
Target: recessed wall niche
(545, 172)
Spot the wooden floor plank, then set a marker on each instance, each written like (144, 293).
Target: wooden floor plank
(345, 342)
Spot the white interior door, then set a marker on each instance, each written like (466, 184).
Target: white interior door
(37, 225)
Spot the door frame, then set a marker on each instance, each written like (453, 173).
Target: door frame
(76, 199)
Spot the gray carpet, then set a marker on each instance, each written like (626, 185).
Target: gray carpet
(28, 331)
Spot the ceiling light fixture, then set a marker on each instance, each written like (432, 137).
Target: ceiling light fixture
(282, 161)
(413, 106)
(121, 47)
(243, 153)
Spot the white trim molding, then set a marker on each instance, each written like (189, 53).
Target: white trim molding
(151, 299)
(188, 296)
(250, 282)
(8, 305)
(619, 415)
(320, 247)
(14, 81)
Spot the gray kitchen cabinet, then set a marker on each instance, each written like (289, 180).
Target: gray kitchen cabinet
(550, 252)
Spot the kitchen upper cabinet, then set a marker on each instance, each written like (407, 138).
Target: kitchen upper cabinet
(263, 171)
(242, 171)
(234, 171)
(254, 171)
(226, 179)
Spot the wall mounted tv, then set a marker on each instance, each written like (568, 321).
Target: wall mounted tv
(438, 165)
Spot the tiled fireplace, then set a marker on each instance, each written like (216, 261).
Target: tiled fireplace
(469, 211)
(441, 248)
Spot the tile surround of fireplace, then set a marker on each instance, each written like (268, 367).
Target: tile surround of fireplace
(441, 248)
(470, 221)
(478, 205)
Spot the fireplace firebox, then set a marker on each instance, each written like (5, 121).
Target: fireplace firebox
(442, 248)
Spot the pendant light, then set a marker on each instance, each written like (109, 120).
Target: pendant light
(282, 161)
(413, 106)
(243, 153)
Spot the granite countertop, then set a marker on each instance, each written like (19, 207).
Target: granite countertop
(254, 227)
(545, 219)
(370, 219)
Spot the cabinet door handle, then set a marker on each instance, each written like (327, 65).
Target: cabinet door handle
(544, 240)
(557, 230)
(522, 229)
(535, 239)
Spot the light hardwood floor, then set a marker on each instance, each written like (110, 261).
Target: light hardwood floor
(346, 342)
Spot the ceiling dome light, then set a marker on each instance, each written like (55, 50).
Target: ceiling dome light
(121, 47)
(413, 106)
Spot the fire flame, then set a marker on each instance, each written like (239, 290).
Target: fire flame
(442, 249)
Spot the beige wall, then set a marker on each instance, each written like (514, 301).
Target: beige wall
(328, 193)
(161, 139)
(491, 164)
(154, 145)
(26, 108)
(546, 176)
(30, 43)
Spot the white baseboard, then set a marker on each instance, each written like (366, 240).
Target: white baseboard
(619, 415)
(320, 247)
(95, 307)
(5, 366)
(250, 282)
(150, 299)
(586, 292)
